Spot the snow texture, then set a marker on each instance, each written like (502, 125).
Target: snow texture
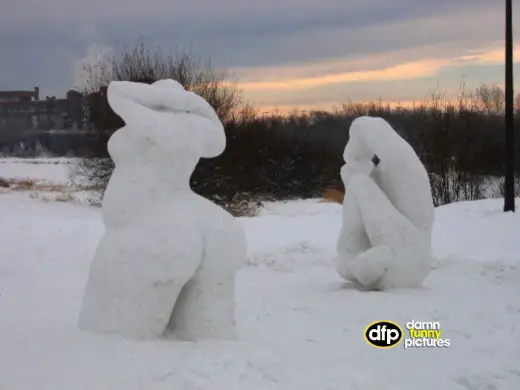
(388, 211)
(300, 326)
(167, 262)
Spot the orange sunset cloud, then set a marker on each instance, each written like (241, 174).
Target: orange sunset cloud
(403, 71)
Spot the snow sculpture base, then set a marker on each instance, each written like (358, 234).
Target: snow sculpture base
(388, 210)
(168, 259)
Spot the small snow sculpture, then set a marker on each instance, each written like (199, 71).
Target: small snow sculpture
(388, 211)
(167, 262)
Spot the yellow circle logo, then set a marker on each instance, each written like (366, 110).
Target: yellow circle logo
(383, 334)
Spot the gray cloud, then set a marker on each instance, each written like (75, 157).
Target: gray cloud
(211, 11)
(40, 40)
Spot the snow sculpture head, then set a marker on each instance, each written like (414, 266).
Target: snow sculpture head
(400, 174)
(388, 211)
(171, 119)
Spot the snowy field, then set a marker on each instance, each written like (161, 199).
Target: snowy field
(48, 179)
(300, 326)
(49, 170)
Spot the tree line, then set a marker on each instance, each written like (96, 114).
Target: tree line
(295, 155)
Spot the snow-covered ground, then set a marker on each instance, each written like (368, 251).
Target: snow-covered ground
(49, 179)
(49, 170)
(301, 327)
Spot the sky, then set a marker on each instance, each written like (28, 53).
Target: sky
(285, 54)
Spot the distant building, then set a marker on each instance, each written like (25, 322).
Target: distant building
(18, 96)
(21, 111)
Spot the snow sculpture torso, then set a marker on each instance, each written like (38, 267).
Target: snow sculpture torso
(167, 262)
(388, 211)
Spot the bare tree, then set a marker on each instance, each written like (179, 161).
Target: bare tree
(146, 65)
(490, 98)
(141, 63)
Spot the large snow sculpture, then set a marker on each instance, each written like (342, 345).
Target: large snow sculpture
(167, 261)
(388, 211)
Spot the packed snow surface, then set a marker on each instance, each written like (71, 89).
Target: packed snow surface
(168, 259)
(388, 212)
(300, 326)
